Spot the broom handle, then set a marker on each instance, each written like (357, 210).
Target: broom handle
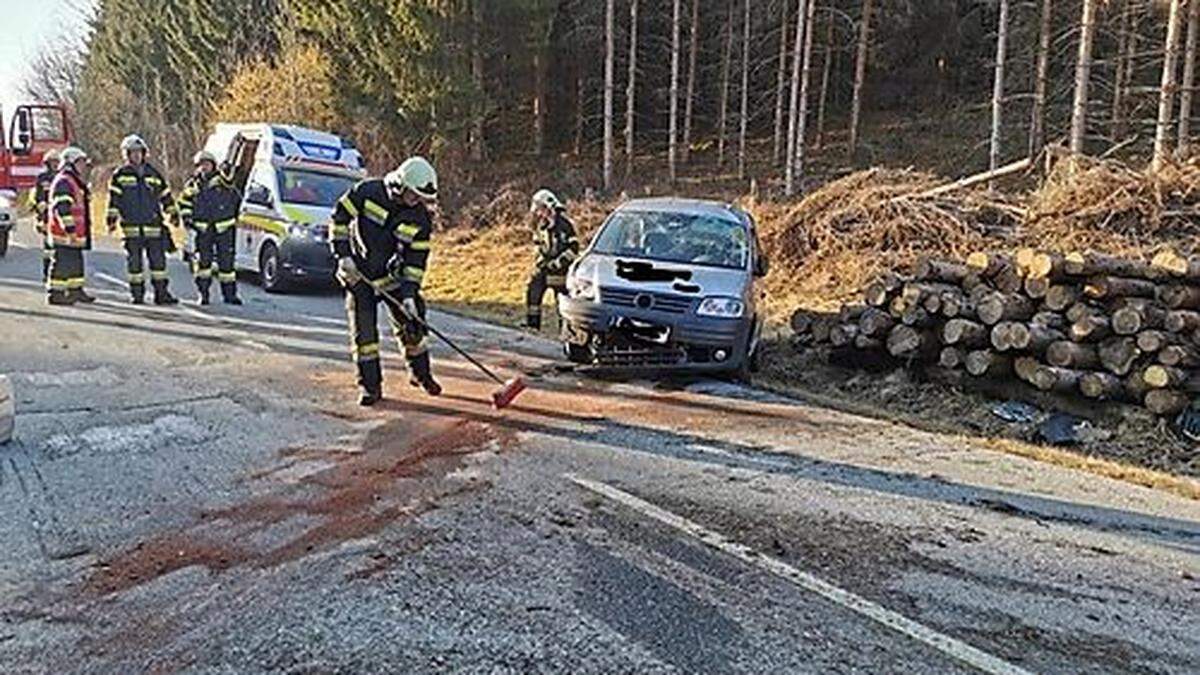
(443, 338)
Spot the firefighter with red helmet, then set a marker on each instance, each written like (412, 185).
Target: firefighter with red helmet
(138, 196)
(68, 227)
(380, 236)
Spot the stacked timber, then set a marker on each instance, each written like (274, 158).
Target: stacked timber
(1088, 325)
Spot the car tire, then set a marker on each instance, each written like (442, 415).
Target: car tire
(578, 354)
(270, 270)
(3, 243)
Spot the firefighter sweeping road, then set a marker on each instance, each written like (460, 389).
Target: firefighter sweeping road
(194, 489)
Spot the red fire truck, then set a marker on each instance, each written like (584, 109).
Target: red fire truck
(35, 129)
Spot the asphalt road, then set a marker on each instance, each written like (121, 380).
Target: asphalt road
(195, 490)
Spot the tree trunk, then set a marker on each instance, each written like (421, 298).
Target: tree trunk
(1124, 47)
(1083, 73)
(998, 88)
(860, 74)
(826, 67)
(673, 146)
(631, 87)
(1189, 80)
(745, 109)
(780, 80)
(693, 49)
(789, 185)
(1166, 93)
(805, 76)
(609, 54)
(478, 143)
(726, 58)
(539, 100)
(1037, 127)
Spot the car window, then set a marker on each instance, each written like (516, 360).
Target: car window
(312, 188)
(676, 237)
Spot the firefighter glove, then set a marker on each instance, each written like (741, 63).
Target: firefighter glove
(347, 272)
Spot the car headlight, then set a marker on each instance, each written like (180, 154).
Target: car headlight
(581, 282)
(723, 308)
(299, 230)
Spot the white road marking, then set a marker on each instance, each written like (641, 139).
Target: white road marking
(944, 643)
(340, 323)
(70, 378)
(111, 279)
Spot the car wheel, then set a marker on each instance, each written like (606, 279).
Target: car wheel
(3, 243)
(577, 353)
(271, 271)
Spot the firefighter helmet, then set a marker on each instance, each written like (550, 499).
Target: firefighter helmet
(546, 199)
(133, 142)
(69, 156)
(416, 174)
(204, 156)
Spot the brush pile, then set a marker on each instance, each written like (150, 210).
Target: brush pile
(853, 229)
(1083, 324)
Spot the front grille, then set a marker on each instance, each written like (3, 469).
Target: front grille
(663, 302)
(629, 357)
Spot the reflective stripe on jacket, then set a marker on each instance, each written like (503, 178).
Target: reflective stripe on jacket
(138, 198)
(69, 223)
(375, 231)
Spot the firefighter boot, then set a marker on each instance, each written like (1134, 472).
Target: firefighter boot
(137, 294)
(78, 295)
(421, 375)
(229, 293)
(60, 298)
(533, 318)
(370, 383)
(202, 288)
(162, 296)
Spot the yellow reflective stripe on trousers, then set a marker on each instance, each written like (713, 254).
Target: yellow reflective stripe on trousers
(375, 212)
(365, 352)
(158, 275)
(226, 277)
(135, 278)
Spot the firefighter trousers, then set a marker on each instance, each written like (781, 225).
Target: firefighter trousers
(66, 270)
(153, 249)
(539, 283)
(214, 256)
(362, 310)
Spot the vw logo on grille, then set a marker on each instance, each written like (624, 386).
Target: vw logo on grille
(643, 301)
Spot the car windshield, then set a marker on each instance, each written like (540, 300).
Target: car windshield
(312, 188)
(693, 239)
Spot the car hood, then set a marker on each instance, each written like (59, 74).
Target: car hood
(306, 214)
(704, 281)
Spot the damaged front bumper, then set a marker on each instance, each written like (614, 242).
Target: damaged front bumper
(621, 337)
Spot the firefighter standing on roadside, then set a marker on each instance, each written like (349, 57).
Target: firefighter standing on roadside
(69, 229)
(557, 248)
(209, 205)
(41, 205)
(138, 196)
(380, 236)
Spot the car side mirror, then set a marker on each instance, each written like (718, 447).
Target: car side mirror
(259, 195)
(761, 266)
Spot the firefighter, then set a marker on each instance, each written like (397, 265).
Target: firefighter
(41, 205)
(209, 205)
(381, 230)
(138, 196)
(557, 248)
(68, 227)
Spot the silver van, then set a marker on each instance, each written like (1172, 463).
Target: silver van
(667, 284)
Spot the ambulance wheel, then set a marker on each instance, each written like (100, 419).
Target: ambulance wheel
(3, 243)
(271, 271)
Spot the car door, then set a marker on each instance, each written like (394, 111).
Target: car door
(258, 208)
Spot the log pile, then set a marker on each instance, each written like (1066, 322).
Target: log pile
(1083, 324)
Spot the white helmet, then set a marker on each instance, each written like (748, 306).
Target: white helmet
(204, 156)
(416, 174)
(133, 142)
(69, 156)
(545, 198)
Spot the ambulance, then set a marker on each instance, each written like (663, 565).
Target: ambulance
(290, 178)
